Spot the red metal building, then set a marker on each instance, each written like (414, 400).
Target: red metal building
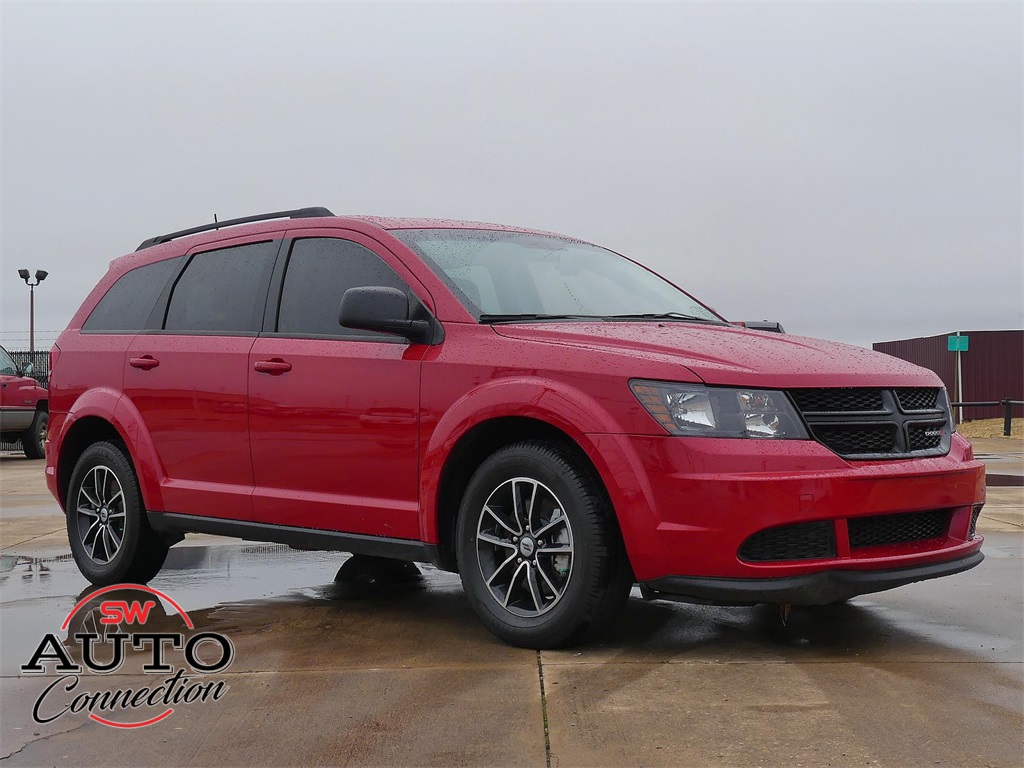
(992, 368)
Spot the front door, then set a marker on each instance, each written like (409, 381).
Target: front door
(333, 412)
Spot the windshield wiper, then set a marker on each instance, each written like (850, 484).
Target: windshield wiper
(665, 316)
(528, 316)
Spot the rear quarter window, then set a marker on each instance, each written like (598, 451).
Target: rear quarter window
(126, 307)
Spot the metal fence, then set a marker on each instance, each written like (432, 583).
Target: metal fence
(40, 363)
(1007, 406)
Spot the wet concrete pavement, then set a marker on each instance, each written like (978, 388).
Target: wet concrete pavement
(1004, 460)
(930, 674)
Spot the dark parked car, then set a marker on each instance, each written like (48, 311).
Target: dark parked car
(551, 420)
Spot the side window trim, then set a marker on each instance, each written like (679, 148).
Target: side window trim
(159, 313)
(284, 245)
(276, 287)
(378, 338)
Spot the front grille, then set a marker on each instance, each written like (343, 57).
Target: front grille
(917, 398)
(862, 423)
(897, 529)
(800, 541)
(855, 439)
(842, 400)
(923, 437)
(975, 514)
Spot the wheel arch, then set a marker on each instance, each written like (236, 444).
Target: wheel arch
(506, 410)
(103, 415)
(77, 438)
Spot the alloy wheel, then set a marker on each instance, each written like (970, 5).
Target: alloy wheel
(101, 514)
(524, 547)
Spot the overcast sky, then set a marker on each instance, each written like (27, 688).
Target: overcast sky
(852, 170)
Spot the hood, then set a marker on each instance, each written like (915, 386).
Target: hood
(731, 356)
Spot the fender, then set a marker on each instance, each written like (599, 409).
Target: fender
(111, 406)
(629, 488)
(572, 411)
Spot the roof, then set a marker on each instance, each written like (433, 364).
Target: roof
(402, 222)
(164, 245)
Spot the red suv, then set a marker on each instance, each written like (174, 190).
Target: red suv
(551, 420)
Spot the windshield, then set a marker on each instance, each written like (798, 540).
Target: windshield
(7, 366)
(508, 275)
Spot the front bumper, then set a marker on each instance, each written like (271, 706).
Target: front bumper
(810, 589)
(686, 505)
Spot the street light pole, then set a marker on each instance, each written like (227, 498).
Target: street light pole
(40, 276)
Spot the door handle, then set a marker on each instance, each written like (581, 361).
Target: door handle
(274, 367)
(146, 362)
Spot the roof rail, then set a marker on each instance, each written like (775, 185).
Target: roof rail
(297, 213)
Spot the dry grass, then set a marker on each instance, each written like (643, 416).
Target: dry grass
(991, 428)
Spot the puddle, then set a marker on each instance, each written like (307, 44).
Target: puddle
(39, 592)
(287, 607)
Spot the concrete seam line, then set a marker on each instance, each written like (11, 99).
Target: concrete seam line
(763, 662)
(28, 744)
(544, 710)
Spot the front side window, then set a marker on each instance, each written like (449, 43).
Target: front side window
(126, 307)
(223, 291)
(506, 274)
(7, 365)
(319, 272)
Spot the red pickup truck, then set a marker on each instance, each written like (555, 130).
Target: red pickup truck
(23, 407)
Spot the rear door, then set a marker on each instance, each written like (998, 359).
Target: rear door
(333, 412)
(188, 377)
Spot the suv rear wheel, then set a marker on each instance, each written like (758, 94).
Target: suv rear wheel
(539, 552)
(108, 531)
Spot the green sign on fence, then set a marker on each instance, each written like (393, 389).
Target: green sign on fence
(956, 343)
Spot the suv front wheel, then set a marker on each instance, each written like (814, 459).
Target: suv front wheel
(109, 534)
(540, 555)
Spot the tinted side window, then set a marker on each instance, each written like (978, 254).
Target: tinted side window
(128, 303)
(223, 291)
(319, 272)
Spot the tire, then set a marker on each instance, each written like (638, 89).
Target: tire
(105, 507)
(33, 439)
(567, 578)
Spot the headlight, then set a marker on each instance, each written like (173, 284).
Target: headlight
(692, 409)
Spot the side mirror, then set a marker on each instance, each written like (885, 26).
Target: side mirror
(377, 308)
(762, 325)
(27, 369)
